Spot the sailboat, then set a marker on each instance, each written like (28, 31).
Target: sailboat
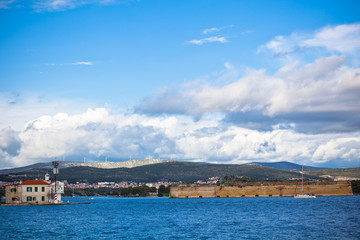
(303, 195)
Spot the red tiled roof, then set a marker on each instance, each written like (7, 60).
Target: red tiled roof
(34, 182)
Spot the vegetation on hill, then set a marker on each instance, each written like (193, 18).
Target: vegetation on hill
(334, 172)
(285, 165)
(83, 192)
(178, 171)
(355, 185)
(170, 171)
(141, 191)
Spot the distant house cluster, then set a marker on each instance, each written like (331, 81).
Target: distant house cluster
(123, 184)
(34, 192)
(212, 180)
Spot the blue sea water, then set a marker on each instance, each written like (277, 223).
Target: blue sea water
(163, 218)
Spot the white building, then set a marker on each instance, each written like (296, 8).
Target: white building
(60, 186)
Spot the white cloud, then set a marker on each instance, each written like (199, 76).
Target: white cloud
(247, 32)
(323, 91)
(346, 148)
(324, 85)
(210, 30)
(344, 39)
(5, 4)
(207, 40)
(83, 63)
(62, 5)
(56, 5)
(341, 38)
(98, 132)
(17, 109)
(214, 29)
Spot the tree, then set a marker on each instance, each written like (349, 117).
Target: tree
(163, 191)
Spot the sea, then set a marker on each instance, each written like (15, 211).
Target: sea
(202, 218)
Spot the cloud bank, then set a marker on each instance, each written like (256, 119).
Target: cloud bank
(321, 91)
(97, 133)
(307, 111)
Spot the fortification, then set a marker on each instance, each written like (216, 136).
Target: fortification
(342, 188)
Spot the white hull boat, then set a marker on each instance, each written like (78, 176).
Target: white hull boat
(303, 195)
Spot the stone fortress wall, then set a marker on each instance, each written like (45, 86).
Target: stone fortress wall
(341, 188)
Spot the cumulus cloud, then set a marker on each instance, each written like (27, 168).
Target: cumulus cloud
(9, 141)
(9, 146)
(342, 38)
(97, 133)
(207, 40)
(18, 108)
(346, 148)
(325, 89)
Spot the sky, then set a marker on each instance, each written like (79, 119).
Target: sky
(203, 81)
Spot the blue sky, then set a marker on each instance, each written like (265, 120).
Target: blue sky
(214, 81)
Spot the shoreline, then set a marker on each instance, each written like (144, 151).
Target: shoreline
(43, 204)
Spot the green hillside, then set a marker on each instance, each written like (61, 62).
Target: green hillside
(335, 172)
(170, 171)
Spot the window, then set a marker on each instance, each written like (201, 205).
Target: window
(34, 198)
(36, 189)
(29, 189)
(43, 189)
(13, 190)
(28, 199)
(43, 198)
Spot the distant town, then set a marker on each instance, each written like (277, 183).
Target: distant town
(123, 184)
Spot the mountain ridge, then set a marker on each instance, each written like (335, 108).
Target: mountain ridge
(99, 164)
(167, 170)
(284, 165)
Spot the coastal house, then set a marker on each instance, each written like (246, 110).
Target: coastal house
(30, 191)
(34, 192)
(12, 193)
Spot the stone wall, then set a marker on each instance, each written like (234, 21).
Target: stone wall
(342, 188)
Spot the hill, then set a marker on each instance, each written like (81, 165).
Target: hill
(169, 171)
(67, 164)
(284, 165)
(335, 173)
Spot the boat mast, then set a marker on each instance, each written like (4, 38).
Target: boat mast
(302, 179)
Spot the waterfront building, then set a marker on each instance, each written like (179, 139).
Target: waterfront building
(34, 192)
(12, 193)
(57, 191)
(30, 191)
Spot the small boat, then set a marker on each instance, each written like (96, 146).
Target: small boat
(91, 198)
(303, 195)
